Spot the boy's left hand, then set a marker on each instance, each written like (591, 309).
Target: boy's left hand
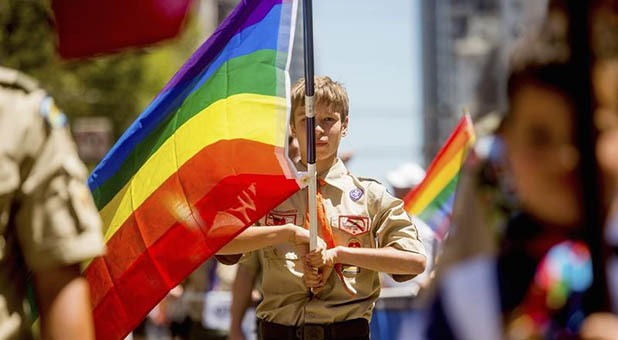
(324, 261)
(321, 257)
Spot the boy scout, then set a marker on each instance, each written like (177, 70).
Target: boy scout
(48, 222)
(369, 228)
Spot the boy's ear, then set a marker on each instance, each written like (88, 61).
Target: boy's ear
(344, 126)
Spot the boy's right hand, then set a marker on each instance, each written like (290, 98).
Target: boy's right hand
(300, 236)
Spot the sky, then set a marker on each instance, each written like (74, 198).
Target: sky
(374, 49)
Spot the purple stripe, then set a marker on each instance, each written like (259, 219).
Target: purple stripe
(247, 13)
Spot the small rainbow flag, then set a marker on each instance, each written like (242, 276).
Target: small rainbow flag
(205, 160)
(432, 200)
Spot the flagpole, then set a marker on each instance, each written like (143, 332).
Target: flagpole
(310, 114)
(597, 297)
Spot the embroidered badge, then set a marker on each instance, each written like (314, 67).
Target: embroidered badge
(356, 194)
(350, 270)
(276, 218)
(52, 114)
(354, 243)
(354, 225)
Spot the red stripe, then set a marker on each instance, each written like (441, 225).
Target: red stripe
(228, 203)
(201, 173)
(456, 141)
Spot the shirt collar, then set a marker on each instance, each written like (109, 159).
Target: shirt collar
(333, 176)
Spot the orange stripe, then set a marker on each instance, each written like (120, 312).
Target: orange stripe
(168, 205)
(178, 252)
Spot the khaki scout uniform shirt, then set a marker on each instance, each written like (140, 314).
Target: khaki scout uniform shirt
(47, 216)
(361, 214)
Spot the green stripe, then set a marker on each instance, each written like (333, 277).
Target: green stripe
(252, 73)
(440, 199)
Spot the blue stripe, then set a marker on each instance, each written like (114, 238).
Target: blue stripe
(260, 36)
(441, 214)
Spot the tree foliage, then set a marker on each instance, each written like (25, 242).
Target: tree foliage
(118, 86)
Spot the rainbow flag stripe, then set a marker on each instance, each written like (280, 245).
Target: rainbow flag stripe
(432, 200)
(205, 160)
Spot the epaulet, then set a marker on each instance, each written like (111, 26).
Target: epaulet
(367, 179)
(52, 114)
(15, 79)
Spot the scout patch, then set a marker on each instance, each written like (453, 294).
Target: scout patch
(350, 270)
(356, 194)
(354, 243)
(354, 225)
(52, 114)
(281, 218)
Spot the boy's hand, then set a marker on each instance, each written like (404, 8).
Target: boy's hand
(299, 235)
(318, 266)
(321, 257)
(312, 277)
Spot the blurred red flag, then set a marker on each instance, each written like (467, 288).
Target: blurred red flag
(90, 27)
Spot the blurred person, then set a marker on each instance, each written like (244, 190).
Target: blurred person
(605, 82)
(403, 179)
(525, 270)
(180, 314)
(48, 221)
(244, 293)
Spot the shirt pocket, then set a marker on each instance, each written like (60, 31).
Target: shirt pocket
(274, 218)
(352, 231)
(353, 225)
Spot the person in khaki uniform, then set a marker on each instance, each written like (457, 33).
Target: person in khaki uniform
(369, 229)
(48, 221)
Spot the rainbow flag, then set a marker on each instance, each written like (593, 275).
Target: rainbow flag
(432, 200)
(205, 160)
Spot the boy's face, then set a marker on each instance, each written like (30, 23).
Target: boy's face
(329, 128)
(542, 155)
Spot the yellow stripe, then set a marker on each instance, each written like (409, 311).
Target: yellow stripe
(245, 116)
(440, 181)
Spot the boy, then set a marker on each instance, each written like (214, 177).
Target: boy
(370, 230)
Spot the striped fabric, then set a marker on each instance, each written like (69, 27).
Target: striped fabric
(432, 200)
(204, 161)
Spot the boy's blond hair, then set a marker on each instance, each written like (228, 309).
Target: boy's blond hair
(327, 92)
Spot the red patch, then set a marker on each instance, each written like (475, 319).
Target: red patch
(274, 218)
(354, 243)
(354, 225)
